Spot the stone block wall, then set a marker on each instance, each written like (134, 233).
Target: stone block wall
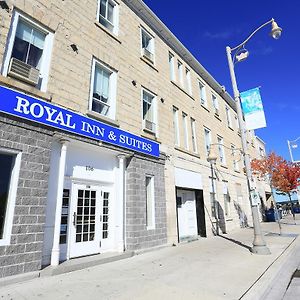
(137, 235)
(24, 252)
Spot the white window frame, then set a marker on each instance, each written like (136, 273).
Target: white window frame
(172, 66)
(185, 131)
(202, 92)
(228, 116)
(221, 150)
(235, 162)
(215, 103)
(11, 198)
(176, 126)
(180, 72)
(151, 48)
(114, 26)
(207, 143)
(194, 138)
(150, 202)
(154, 112)
(112, 89)
(47, 51)
(188, 81)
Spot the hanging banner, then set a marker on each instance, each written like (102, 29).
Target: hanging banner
(253, 109)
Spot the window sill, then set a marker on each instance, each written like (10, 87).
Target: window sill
(229, 219)
(23, 87)
(148, 62)
(101, 118)
(187, 151)
(218, 117)
(111, 34)
(230, 128)
(223, 166)
(237, 171)
(150, 135)
(178, 86)
(202, 105)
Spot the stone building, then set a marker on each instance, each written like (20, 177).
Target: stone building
(106, 123)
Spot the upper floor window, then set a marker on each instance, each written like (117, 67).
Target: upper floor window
(103, 98)
(176, 125)
(207, 140)
(28, 52)
(147, 44)
(228, 116)
(202, 94)
(188, 81)
(108, 14)
(221, 150)
(194, 140)
(235, 158)
(215, 103)
(149, 111)
(171, 66)
(180, 72)
(185, 131)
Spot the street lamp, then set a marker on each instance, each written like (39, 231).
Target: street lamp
(240, 53)
(293, 145)
(212, 159)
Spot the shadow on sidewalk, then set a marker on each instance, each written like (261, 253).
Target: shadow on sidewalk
(236, 242)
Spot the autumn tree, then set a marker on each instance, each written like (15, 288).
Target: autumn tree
(282, 175)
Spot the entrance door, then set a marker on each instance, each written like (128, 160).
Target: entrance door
(186, 211)
(86, 220)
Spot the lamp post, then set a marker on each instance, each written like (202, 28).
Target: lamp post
(240, 53)
(293, 144)
(212, 159)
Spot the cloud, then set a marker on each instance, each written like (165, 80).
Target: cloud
(283, 106)
(222, 35)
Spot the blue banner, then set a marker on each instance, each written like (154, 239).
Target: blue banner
(29, 108)
(253, 109)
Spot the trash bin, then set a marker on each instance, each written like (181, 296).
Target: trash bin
(296, 209)
(270, 215)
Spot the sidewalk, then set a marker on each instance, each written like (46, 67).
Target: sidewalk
(214, 268)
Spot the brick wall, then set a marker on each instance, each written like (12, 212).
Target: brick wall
(25, 250)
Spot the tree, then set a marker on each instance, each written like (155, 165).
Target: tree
(282, 175)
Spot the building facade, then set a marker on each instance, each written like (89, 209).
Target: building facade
(106, 124)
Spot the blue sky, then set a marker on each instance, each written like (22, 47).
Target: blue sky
(207, 27)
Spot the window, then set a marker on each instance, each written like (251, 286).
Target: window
(188, 81)
(147, 45)
(221, 150)
(171, 65)
(10, 165)
(261, 152)
(234, 157)
(194, 141)
(215, 104)
(207, 140)
(228, 116)
(105, 215)
(226, 199)
(103, 98)
(28, 53)
(149, 111)
(64, 217)
(237, 124)
(180, 72)
(108, 15)
(176, 126)
(185, 131)
(150, 205)
(239, 193)
(202, 94)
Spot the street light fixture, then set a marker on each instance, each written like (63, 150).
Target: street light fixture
(259, 244)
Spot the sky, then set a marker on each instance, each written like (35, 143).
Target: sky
(207, 27)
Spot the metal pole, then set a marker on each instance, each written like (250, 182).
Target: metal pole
(259, 244)
(214, 199)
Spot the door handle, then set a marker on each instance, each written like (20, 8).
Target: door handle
(74, 218)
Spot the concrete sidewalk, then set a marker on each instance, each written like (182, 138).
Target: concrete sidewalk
(214, 268)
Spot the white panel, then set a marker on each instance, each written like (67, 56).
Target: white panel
(188, 179)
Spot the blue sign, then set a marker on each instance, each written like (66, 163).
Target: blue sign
(39, 111)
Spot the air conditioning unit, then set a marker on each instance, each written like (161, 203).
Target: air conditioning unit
(149, 125)
(23, 71)
(216, 111)
(147, 54)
